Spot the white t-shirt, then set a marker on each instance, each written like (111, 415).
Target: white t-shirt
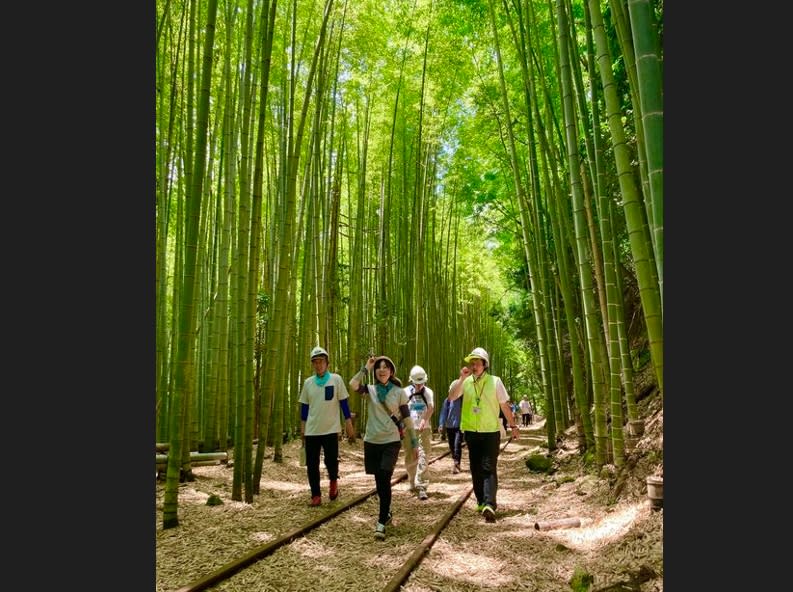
(380, 428)
(323, 404)
(416, 404)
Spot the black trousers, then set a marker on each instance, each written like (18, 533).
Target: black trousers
(454, 437)
(379, 460)
(329, 444)
(483, 450)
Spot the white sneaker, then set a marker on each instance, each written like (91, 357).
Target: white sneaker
(422, 494)
(379, 531)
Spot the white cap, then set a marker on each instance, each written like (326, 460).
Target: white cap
(418, 375)
(478, 353)
(318, 351)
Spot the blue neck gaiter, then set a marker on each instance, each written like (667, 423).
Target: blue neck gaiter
(382, 390)
(321, 380)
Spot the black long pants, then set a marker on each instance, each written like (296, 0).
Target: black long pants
(329, 443)
(379, 460)
(454, 438)
(483, 450)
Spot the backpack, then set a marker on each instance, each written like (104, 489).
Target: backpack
(413, 393)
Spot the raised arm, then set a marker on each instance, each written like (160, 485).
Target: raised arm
(356, 380)
(456, 388)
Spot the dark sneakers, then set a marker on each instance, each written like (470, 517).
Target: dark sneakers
(489, 513)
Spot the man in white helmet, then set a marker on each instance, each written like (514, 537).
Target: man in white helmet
(483, 396)
(421, 403)
(322, 397)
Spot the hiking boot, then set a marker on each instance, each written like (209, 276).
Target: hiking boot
(489, 513)
(379, 531)
(456, 468)
(422, 494)
(334, 489)
(316, 500)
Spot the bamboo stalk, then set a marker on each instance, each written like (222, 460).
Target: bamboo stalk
(196, 456)
(560, 523)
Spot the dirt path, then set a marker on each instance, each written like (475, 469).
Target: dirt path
(617, 541)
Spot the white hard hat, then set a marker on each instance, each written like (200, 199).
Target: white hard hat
(418, 375)
(478, 353)
(318, 351)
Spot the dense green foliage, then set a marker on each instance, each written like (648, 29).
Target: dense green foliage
(410, 177)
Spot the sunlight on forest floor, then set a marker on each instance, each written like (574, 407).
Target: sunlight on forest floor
(609, 529)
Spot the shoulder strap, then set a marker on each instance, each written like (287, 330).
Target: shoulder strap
(398, 422)
(413, 394)
(391, 413)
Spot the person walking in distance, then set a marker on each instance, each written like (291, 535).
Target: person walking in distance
(421, 403)
(449, 425)
(525, 411)
(483, 395)
(323, 395)
(387, 413)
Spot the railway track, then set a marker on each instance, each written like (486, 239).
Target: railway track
(373, 565)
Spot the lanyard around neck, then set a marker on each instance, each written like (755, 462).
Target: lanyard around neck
(478, 392)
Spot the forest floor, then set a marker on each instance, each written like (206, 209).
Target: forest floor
(618, 546)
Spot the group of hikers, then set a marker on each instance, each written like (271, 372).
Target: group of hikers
(398, 417)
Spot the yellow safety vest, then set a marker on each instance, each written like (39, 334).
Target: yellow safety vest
(479, 395)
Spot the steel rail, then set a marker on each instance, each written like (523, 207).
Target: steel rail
(229, 569)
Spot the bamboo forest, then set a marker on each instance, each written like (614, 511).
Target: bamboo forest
(412, 179)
